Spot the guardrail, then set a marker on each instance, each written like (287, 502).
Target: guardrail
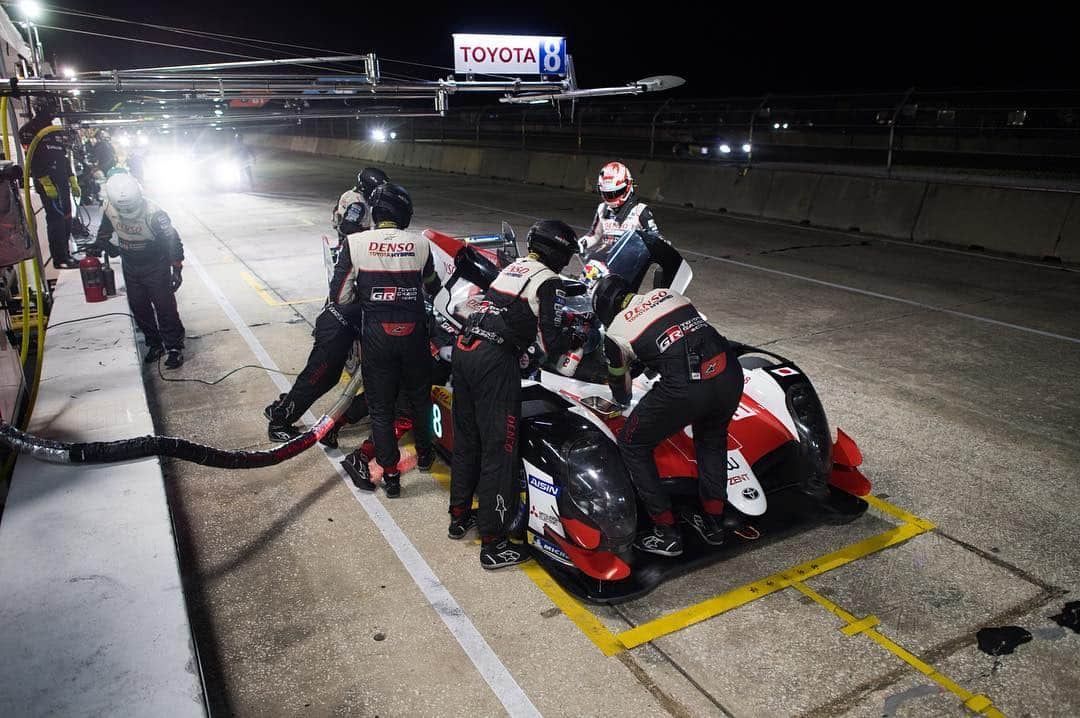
(1027, 130)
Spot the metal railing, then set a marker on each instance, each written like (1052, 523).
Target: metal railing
(1026, 130)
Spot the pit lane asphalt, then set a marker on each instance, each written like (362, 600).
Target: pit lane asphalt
(973, 425)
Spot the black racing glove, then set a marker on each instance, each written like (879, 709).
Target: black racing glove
(177, 277)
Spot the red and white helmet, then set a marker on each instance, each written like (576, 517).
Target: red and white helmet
(616, 184)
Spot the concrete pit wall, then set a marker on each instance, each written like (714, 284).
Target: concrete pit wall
(1042, 224)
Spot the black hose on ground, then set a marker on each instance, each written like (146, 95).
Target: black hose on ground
(107, 452)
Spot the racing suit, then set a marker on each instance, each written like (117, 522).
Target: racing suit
(610, 224)
(517, 310)
(390, 270)
(700, 385)
(350, 215)
(55, 182)
(152, 257)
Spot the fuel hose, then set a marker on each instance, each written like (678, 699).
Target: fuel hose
(107, 452)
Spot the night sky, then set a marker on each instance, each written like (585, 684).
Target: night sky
(735, 49)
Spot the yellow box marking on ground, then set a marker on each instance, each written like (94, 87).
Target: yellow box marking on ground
(265, 295)
(582, 617)
(853, 629)
(977, 703)
(897, 512)
(763, 587)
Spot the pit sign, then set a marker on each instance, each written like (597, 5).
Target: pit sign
(509, 55)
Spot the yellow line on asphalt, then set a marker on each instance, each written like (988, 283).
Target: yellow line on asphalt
(265, 296)
(582, 617)
(977, 703)
(897, 512)
(763, 587)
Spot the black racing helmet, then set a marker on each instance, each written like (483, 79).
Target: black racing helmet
(368, 179)
(391, 203)
(608, 297)
(553, 241)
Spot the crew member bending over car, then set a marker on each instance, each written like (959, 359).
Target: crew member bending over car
(700, 384)
(391, 269)
(517, 310)
(152, 258)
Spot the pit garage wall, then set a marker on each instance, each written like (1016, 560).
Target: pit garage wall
(1035, 223)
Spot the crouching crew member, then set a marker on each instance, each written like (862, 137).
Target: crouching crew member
(700, 385)
(392, 268)
(517, 310)
(152, 257)
(351, 213)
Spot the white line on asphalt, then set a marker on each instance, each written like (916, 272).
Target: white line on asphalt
(844, 287)
(491, 668)
(887, 297)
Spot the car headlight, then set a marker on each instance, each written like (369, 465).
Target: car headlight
(813, 427)
(599, 488)
(229, 173)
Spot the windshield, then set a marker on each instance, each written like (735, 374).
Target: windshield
(627, 257)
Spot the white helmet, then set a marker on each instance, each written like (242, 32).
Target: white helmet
(124, 194)
(615, 184)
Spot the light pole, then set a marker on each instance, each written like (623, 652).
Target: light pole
(31, 10)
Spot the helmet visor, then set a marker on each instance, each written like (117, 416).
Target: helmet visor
(613, 195)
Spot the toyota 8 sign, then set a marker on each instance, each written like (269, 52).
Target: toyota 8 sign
(509, 55)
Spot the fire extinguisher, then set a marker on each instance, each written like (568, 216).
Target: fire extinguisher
(110, 278)
(93, 279)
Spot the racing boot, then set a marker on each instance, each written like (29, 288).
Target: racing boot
(280, 429)
(356, 466)
(661, 539)
(709, 526)
(330, 439)
(496, 553)
(153, 354)
(425, 458)
(392, 483)
(175, 359)
(461, 520)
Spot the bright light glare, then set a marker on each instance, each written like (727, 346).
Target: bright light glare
(219, 113)
(785, 125)
(75, 93)
(393, 135)
(69, 73)
(124, 140)
(725, 149)
(172, 170)
(378, 135)
(229, 173)
(746, 147)
(143, 140)
(776, 126)
(31, 9)
(704, 150)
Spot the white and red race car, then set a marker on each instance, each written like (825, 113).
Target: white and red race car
(579, 510)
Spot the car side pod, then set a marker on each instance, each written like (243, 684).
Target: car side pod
(601, 565)
(846, 458)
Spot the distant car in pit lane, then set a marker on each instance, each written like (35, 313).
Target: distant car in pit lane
(579, 511)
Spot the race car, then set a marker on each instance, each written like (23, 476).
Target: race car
(579, 511)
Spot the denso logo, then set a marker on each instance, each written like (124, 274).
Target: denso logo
(383, 294)
(392, 248)
(653, 300)
(668, 337)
